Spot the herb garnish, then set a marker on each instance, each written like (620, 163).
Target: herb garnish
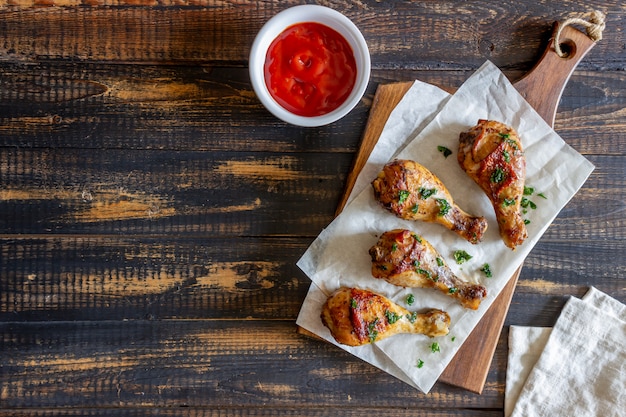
(371, 329)
(444, 206)
(353, 303)
(415, 209)
(392, 317)
(410, 299)
(434, 347)
(445, 151)
(420, 363)
(439, 262)
(426, 192)
(453, 290)
(412, 317)
(461, 256)
(508, 202)
(487, 270)
(402, 196)
(498, 175)
(507, 156)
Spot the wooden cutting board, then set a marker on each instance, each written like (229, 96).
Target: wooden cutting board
(542, 88)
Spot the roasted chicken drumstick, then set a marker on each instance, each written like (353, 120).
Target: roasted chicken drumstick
(357, 317)
(412, 192)
(403, 258)
(491, 153)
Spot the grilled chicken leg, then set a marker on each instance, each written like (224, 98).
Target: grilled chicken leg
(357, 317)
(412, 192)
(403, 258)
(491, 154)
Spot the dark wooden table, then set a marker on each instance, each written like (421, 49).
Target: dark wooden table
(152, 211)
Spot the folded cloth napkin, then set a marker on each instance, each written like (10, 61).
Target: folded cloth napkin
(577, 368)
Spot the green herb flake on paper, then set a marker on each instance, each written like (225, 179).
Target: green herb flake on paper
(434, 347)
(410, 299)
(487, 270)
(460, 256)
(445, 151)
(420, 363)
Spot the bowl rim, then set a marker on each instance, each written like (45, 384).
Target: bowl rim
(302, 14)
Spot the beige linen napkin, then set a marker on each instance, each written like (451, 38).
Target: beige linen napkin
(578, 368)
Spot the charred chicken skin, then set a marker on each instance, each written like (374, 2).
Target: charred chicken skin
(357, 317)
(403, 258)
(412, 192)
(491, 153)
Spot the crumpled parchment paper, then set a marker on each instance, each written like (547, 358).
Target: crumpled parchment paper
(339, 255)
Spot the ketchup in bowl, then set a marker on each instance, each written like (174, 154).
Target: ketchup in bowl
(310, 69)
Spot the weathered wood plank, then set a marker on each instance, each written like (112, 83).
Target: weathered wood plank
(407, 34)
(96, 278)
(197, 193)
(198, 363)
(72, 191)
(260, 411)
(90, 106)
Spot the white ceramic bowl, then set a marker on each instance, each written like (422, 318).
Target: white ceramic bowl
(301, 14)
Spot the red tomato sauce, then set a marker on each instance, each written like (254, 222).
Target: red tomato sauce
(310, 69)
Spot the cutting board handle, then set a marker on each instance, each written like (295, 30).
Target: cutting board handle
(543, 85)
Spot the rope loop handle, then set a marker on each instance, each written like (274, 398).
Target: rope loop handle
(593, 22)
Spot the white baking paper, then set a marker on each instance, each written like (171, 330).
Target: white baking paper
(339, 256)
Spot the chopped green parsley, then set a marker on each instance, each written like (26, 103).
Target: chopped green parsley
(445, 151)
(412, 317)
(444, 206)
(498, 175)
(392, 317)
(487, 270)
(410, 299)
(461, 256)
(371, 329)
(402, 196)
(508, 202)
(426, 192)
(434, 347)
(420, 363)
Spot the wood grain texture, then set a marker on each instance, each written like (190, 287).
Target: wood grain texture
(152, 211)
